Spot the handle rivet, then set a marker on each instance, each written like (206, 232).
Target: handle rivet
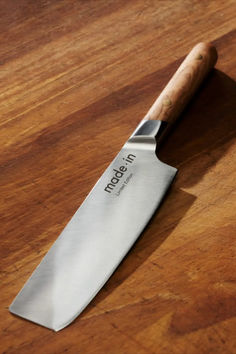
(199, 57)
(167, 102)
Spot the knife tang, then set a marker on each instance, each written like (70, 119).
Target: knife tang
(183, 84)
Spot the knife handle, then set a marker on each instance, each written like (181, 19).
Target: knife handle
(184, 83)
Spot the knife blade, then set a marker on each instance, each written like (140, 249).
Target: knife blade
(114, 213)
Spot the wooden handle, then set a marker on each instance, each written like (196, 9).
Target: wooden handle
(184, 83)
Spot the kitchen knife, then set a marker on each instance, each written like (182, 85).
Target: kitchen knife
(114, 213)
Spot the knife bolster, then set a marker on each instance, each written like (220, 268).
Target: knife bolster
(149, 133)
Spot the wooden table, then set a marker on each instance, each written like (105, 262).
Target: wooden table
(76, 78)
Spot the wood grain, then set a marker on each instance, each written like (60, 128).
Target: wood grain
(76, 79)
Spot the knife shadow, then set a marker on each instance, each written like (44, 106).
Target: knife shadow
(207, 127)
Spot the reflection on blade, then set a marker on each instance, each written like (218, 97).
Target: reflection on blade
(99, 235)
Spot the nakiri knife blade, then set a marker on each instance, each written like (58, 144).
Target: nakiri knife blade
(114, 213)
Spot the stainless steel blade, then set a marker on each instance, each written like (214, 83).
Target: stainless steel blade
(100, 233)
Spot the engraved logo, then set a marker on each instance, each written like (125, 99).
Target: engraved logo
(119, 173)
